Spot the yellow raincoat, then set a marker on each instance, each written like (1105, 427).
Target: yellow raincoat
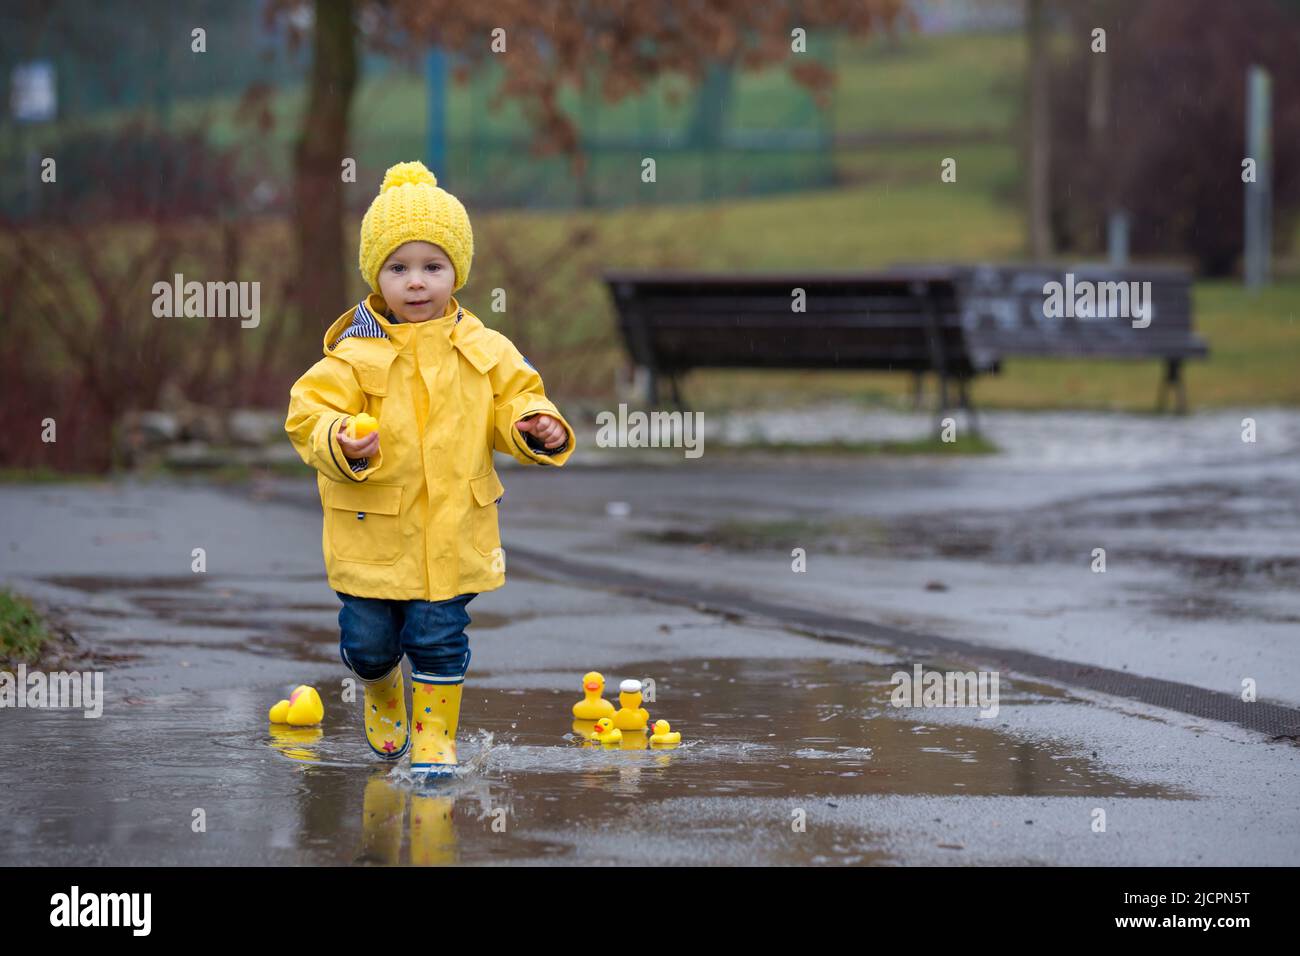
(419, 519)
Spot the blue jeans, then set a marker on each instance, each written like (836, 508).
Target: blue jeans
(375, 632)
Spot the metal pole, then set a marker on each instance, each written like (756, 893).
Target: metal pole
(1117, 238)
(1258, 224)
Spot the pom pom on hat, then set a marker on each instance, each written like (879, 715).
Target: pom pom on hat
(404, 173)
(412, 207)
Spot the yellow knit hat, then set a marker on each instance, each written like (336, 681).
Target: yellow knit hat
(411, 208)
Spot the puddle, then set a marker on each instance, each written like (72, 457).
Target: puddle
(529, 789)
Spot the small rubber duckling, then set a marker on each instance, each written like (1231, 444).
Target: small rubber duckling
(606, 733)
(631, 715)
(664, 736)
(302, 709)
(593, 706)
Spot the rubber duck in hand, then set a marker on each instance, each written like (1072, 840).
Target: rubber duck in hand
(302, 709)
(631, 715)
(359, 426)
(593, 706)
(664, 735)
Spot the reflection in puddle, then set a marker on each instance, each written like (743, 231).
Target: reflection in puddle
(122, 789)
(760, 728)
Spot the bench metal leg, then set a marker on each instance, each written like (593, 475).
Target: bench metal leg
(972, 418)
(1173, 381)
(675, 392)
(963, 402)
(941, 403)
(651, 387)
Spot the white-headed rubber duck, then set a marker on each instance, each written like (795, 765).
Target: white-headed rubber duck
(630, 715)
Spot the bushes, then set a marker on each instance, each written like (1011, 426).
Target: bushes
(135, 171)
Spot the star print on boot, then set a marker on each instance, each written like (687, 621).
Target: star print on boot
(387, 732)
(435, 702)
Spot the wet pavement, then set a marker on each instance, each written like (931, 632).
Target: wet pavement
(792, 751)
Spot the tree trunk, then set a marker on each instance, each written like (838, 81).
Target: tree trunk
(318, 185)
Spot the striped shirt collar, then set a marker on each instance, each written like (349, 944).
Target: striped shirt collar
(367, 326)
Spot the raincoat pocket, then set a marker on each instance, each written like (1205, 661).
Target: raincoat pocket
(363, 522)
(487, 489)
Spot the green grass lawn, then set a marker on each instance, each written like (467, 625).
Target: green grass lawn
(903, 216)
(958, 82)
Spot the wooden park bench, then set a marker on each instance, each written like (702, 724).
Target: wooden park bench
(953, 321)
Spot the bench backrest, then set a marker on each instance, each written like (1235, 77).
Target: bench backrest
(1079, 310)
(676, 321)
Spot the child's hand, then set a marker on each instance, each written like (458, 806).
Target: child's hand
(545, 428)
(358, 447)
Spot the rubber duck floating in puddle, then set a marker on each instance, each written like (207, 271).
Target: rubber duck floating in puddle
(606, 733)
(664, 735)
(630, 715)
(593, 706)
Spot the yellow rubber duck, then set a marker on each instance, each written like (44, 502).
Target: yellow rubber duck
(593, 706)
(606, 733)
(302, 709)
(631, 715)
(664, 735)
(359, 426)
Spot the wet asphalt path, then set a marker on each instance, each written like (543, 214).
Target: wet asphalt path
(783, 724)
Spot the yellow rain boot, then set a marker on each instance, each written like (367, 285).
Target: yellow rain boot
(435, 713)
(385, 702)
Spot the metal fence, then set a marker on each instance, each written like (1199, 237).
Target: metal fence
(75, 76)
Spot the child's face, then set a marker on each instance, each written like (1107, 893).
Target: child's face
(416, 281)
